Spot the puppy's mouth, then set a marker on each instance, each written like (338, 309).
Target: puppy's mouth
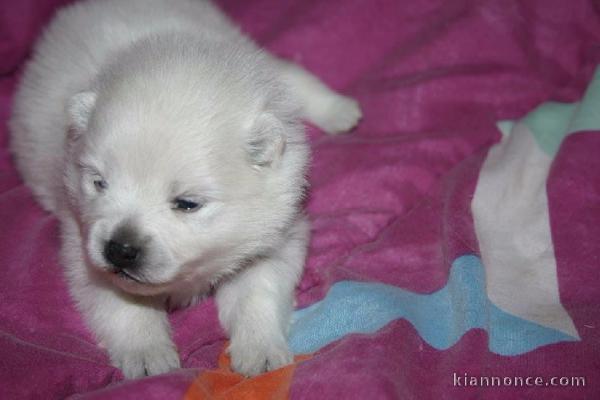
(136, 285)
(127, 276)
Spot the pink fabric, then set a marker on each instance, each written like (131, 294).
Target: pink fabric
(389, 202)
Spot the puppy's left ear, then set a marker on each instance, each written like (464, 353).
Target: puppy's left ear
(79, 110)
(266, 142)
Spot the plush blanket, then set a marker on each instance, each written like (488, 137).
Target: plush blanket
(454, 249)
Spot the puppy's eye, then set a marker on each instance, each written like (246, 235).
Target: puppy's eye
(100, 184)
(185, 205)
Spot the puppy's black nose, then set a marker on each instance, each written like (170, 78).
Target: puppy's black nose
(122, 255)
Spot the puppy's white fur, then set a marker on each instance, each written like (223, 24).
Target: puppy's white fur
(128, 105)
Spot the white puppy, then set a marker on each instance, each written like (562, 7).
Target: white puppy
(169, 147)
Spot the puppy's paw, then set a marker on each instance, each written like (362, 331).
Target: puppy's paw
(339, 114)
(251, 359)
(146, 361)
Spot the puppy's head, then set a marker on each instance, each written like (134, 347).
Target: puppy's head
(183, 162)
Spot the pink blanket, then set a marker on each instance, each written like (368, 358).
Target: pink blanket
(411, 202)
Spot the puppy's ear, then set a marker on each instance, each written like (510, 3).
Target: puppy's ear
(266, 142)
(79, 110)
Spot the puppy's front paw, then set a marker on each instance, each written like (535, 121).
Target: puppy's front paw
(149, 360)
(339, 114)
(254, 358)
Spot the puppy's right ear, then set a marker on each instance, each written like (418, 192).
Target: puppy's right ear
(79, 110)
(266, 141)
